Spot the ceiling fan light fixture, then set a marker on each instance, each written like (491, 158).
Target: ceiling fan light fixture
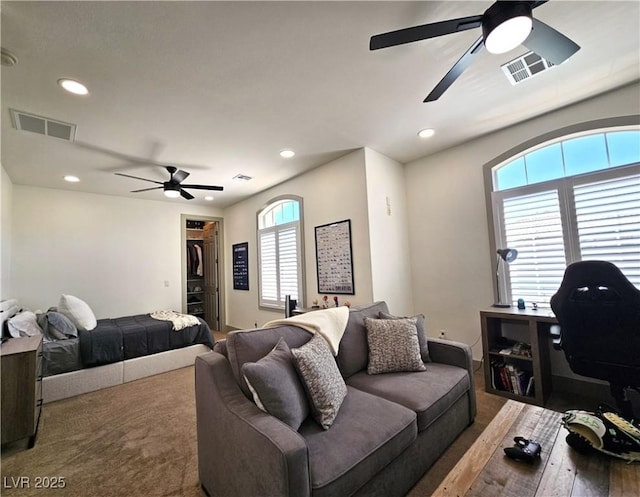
(505, 25)
(172, 193)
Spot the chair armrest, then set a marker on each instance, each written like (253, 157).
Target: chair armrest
(241, 449)
(456, 354)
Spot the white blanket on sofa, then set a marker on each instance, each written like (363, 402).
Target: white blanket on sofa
(328, 323)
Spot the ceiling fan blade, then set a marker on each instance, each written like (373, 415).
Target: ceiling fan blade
(147, 189)
(204, 187)
(179, 176)
(186, 194)
(423, 32)
(549, 43)
(137, 177)
(457, 69)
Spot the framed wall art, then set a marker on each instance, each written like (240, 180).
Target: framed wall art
(241, 266)
(334, 261)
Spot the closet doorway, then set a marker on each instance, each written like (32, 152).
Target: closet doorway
(202, 288)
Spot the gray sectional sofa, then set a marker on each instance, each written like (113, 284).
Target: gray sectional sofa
(389, 429)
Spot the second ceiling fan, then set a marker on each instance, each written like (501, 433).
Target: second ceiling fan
(505, 25)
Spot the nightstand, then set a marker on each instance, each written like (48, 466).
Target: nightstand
(21, 364)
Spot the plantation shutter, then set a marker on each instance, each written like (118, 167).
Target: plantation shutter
(608, 219)
(288, 261)
(533, 226)
(268, 266)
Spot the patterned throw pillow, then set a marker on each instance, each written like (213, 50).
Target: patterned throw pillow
(323, 382)
(422, 335)
(393, 346)
(275, 386)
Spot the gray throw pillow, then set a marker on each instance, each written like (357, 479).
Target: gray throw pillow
(393, 346)
(422, 334)
(275, 386)
(56, 326)
(322, 380)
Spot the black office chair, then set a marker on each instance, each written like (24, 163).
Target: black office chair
(598, 309)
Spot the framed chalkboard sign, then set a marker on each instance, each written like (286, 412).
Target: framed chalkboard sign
(241, 266)
(333, 258)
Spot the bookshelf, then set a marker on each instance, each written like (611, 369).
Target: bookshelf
(516, 353)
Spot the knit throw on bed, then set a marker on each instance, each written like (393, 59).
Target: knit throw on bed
(180, 321)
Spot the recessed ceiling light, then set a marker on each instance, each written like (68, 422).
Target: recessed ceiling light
(209, 198)
(426, 133)
(287, 154)
(73, 86)
(71, 179)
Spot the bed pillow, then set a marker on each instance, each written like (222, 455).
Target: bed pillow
(322, 380)
(275, 386)
(57, 326)
(78, 312)
(420, 326)
(24, 324)
(393, 346)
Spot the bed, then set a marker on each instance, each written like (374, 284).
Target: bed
(116, 351)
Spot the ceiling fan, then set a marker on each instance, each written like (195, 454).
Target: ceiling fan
(174, 187)
(505, 25)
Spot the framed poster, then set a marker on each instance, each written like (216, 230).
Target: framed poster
(333, 258)
(241, 266)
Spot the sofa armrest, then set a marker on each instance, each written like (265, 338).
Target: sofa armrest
(241, 449)
(456, 354)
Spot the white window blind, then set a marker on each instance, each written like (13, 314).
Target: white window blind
(268, 266)
(288, 262)
(279, 260)
(608, 219)
(533, 226)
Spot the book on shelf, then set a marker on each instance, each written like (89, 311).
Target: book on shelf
(510, 378)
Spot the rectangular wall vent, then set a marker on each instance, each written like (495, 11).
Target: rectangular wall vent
(524, 67)
(43, 125)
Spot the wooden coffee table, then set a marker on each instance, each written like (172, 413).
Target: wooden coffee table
(485, 471)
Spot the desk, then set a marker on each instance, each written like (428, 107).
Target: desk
(531, 327)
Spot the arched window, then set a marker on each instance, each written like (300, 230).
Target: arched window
(577, 198)
(280, 252)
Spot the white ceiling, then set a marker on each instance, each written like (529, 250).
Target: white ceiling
(219, 88)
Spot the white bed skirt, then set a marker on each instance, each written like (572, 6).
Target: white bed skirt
(65, 385)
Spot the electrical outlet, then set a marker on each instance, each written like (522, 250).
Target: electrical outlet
(443, 334)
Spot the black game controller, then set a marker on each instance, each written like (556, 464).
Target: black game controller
(523, 450)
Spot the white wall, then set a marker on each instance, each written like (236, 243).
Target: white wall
(6, 195)
(388, 232)
(449, 241)
(332, 192)
(113, 252)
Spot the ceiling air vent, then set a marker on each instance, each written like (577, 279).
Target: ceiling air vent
(524, 67)
(43, 125)
(242, 177)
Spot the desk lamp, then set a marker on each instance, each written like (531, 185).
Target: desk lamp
(508, 255)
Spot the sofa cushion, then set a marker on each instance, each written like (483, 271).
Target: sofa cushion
(321, 378)
(275, 386)
(252, 345)
(393, 346)
(353, 354)
(368, 433)
(428, 393)
(422, 334)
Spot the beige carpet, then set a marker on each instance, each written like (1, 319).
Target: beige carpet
(140, 439)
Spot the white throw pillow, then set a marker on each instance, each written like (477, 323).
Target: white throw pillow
(24, 324)
(78, 311)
